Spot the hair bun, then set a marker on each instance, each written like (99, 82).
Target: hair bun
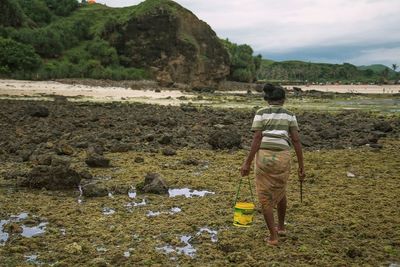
(273, 92)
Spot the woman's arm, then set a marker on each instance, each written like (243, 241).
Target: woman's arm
(255, 145)
(294, 135)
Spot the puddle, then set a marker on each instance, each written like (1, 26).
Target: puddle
(213, 233)
(32, 259)
(108, 211)
(131, 205)
(101, 249)
(27, 231)
(188, 248)
(157, 213)
(34, 231)
(153, 213)
(187, 192)
(127, 254)
(132, 194)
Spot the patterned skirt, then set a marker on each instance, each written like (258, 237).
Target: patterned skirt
(272, 169)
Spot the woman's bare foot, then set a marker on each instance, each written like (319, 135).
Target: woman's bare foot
(280, 231)
(272, 240)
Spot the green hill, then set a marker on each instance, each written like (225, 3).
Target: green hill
(302, 72)
(157, 39)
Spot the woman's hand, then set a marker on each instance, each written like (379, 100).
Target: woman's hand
(245, 170)
(301, 173)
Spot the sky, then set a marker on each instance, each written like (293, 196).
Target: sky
(361, 32)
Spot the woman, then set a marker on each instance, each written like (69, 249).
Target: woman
(275, 128)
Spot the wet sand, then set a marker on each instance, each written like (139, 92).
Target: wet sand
(97, 93)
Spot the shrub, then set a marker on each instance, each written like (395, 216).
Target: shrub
(62, 7)
(11, 13)
(15, 56)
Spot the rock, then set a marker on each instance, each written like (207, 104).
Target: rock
(169, 151)
(43, 159)
(51, 177)
(93, 189)
(61, 161)
(155, 184)
(85, 174)
(25, 154)
(64, 149)
(193, 162)
(225, 139)
(383, 126)
(13, 228)
(149, 137)
(98, 262)
(96, 160)
(73, 248)
(120, 147)
(306, 140)
(95, 149)
(37, 111)
(375, 146)
(14, 174)
(188, 108)
(139, 160)
(165, 140)
(360, 142)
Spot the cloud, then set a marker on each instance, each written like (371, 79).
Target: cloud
(290, 26)
(387, 56)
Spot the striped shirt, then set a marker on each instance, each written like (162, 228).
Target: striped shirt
(275, 122)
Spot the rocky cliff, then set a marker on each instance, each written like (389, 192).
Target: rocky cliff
(172, 42)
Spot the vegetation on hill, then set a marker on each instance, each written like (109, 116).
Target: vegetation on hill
(307, 72)
(244, 66)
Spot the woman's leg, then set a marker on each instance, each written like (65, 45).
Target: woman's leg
(281, 213)
(269, 219)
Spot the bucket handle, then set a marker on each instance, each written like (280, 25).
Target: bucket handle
(238, 190)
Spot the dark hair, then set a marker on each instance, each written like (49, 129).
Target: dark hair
(273, 92)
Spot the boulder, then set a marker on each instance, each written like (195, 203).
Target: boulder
(153, 183)
(169, 151)
(51, 177)
(94, 190)
(37, 111)
(225, 139)
(96, 160)
(383, 126)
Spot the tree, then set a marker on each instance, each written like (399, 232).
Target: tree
(11, 13)
(394, 67)
(15, 57)
(62, 7)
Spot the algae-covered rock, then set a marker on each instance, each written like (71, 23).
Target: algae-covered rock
(94, 190)
(37, 111)
(73, 248)
(169, 151)
(153, 183)
(51, 177)
(98, 262)
(225, 139)
(97, 160)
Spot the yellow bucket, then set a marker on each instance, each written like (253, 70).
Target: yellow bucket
(244, 214)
